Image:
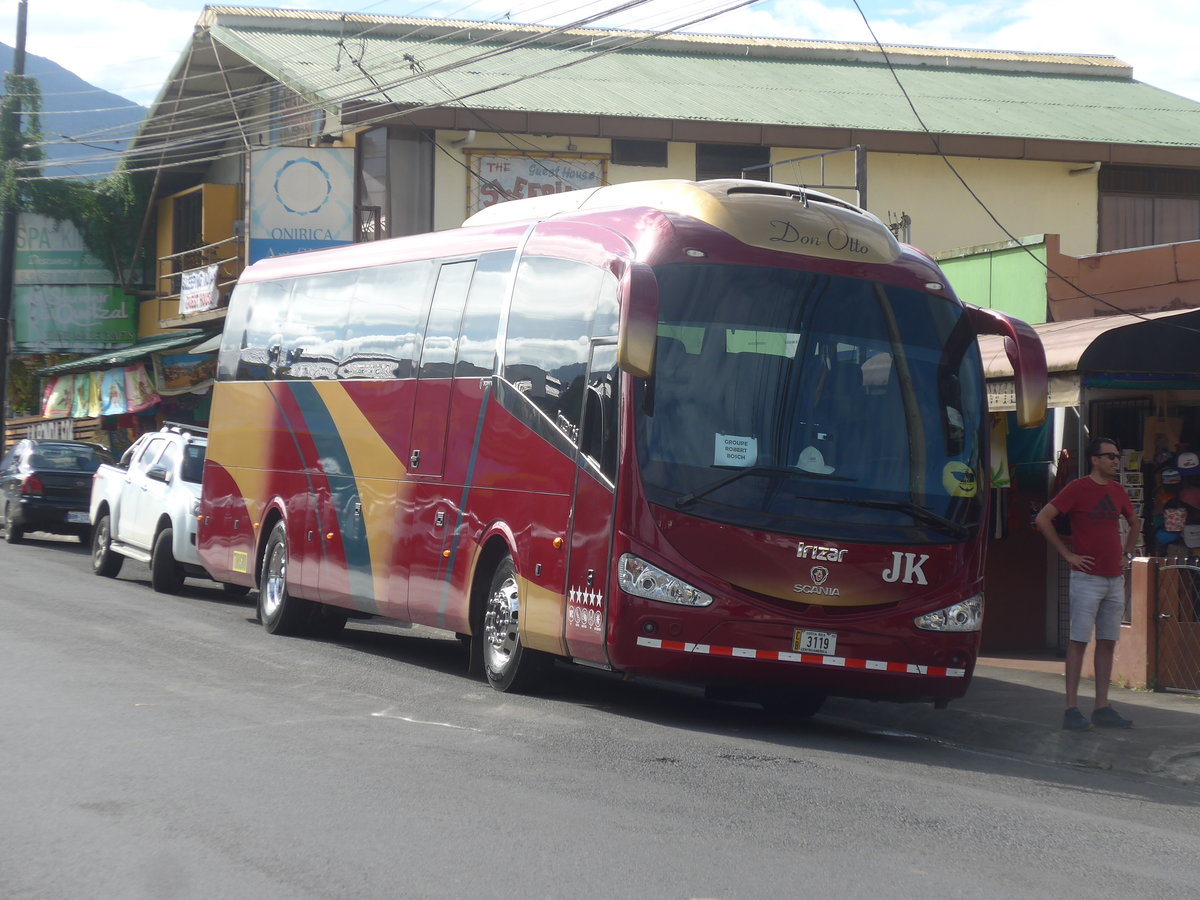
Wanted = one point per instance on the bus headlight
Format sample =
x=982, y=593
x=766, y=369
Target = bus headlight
x=965, y=615
x=641, y=579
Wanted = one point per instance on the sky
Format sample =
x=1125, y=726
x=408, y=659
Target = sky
x=129, y=46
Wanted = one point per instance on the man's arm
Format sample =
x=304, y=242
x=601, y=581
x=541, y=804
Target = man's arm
x=1135, y=529
x=1045, y=524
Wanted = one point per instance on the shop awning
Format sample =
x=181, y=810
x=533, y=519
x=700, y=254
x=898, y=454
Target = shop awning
x=125, y=356
x=1150, y=351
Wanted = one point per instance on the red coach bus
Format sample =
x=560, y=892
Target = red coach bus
x=728, y=433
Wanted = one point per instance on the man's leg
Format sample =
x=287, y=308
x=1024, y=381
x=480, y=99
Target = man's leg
x=1075, y=651
x=1105, y=650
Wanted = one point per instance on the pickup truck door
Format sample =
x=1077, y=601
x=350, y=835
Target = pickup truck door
x=135, y=506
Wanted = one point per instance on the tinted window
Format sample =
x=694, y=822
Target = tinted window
x=445, y=316
x=481, y=321
x=549, y=332
x=383, y=334
x=193, y=463
x=253, y=327
x=312, y=340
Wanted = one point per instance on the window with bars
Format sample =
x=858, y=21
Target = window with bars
x=1143, y=205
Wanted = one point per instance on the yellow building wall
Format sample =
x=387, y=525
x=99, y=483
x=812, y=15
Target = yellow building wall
x=1028, y=197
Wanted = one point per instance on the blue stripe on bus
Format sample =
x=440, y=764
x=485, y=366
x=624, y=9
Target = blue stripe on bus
x=343, y=487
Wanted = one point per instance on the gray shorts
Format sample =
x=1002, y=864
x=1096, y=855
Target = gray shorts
x=1096, y=600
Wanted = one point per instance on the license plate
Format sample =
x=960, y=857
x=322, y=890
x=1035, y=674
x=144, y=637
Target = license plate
x=77, y=517
x=823, y=642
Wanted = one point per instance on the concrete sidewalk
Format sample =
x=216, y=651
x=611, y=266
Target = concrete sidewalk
x=1015, y=706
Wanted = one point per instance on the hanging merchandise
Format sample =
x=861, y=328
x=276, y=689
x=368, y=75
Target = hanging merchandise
x=1161, y=432
x=140, y=394
x=56, y=400
x=999, y=452
x=1174, y=518
x=112, y=392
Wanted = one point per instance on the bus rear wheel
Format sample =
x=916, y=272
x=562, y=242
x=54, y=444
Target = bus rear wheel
x=278, y=610
x=508, y=664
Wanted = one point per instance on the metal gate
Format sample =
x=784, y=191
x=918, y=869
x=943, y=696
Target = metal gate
x=1177, y=623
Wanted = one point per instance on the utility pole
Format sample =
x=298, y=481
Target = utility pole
x=8, y=222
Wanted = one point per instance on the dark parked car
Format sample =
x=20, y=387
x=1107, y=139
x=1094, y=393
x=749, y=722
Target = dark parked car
x=45, y=485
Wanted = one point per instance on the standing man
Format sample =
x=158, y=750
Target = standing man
x=1094, y=503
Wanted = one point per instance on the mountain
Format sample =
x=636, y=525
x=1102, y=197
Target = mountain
x=78, y=110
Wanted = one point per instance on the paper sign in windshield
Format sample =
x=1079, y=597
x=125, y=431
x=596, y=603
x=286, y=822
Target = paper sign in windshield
x=735, y=450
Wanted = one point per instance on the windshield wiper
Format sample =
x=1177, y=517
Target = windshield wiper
x=686, y=500
x=918, y=512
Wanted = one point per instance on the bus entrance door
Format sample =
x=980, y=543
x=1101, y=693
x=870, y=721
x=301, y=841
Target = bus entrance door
x=589, y=565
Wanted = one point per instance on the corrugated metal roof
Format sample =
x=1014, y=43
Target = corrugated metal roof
x=414, y=62
x=140, y=350
x=1067, y=342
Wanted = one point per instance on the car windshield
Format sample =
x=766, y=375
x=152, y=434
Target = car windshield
x=798, y=402
x=48, y=457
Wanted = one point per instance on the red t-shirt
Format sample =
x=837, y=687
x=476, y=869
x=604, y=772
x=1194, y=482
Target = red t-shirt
x=1094, y=510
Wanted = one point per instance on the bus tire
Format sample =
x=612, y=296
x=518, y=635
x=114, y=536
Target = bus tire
x=278, y=610
x=105, y=561
x=507, y=663
x=166, y=575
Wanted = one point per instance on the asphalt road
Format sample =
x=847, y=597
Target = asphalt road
x=161, y=747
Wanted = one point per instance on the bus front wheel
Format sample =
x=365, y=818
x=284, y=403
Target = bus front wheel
x=279, y=611
x=508, y=664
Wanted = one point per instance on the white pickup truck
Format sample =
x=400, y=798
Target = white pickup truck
x=145, y=506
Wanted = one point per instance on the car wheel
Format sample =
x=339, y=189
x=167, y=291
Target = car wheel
x=13, y=533
x=166, y=575
x=279, y=611
x=508, y=664
x=104, y=561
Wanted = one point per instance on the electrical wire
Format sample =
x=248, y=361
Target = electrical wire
x=937, y=147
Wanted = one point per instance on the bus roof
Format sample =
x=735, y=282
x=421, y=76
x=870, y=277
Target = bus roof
x=763, y=214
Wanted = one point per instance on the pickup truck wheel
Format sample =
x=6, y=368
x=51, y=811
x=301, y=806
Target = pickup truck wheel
x=104, y=561
x=279, y=611
x=166, y=575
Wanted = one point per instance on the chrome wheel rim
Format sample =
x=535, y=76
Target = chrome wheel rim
x=500, y=625
x=275, y=582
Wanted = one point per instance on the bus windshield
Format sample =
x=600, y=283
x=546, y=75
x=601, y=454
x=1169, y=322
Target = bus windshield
x=812, y=404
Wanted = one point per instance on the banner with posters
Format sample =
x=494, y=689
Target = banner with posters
x=181, y=373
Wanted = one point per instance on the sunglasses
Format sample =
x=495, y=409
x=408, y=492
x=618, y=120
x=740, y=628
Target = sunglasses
x=1110, y=455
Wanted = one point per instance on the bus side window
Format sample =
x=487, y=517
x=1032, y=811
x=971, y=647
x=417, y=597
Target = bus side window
x=387, y=320
x=313, y=334
x=255, y=317
x=481, y=320
x=548, y=337
x=445, y=319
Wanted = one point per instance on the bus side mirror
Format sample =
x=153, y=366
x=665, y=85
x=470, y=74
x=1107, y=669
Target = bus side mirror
x=639, y=321
x=1027, y=356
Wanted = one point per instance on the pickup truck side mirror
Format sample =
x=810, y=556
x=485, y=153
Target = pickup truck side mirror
x=158, y=473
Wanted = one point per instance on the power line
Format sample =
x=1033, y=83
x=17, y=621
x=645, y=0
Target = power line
x=937, y=147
